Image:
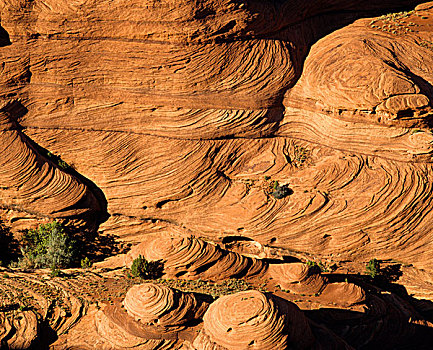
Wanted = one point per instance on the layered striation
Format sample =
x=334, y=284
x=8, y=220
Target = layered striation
x=168, y=120
x=253, y=320
x=162, y=306
x=34, y=184
x=151, y=318
x=180, y=115
x=192, y=258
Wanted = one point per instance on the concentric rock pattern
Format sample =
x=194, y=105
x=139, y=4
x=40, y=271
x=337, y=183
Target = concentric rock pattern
x=252, y=320
x=180, y=114
x=162, y=306
x=164, y=107
x=189, y=257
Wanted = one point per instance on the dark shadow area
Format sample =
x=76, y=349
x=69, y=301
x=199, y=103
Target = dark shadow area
x=391, y=273
x=374, y=329
x=96, y=247
x=9, y=247
x=15, y=110
x=286, y=259
x=425, y=87
x=234, y=239
x=47, y=336
x=385, y=281
x=4, y=37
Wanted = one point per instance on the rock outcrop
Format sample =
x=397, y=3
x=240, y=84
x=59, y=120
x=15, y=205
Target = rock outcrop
x=253, y=320
x=191, y=258
x=175, y=112
x=162, y=306
x=139, y=118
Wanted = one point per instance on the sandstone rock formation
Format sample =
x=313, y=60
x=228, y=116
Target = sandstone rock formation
x=192, y=258
x=297, y=278
x=252, y=320
x=144, y=118
x=161, y=306
x=168, y=120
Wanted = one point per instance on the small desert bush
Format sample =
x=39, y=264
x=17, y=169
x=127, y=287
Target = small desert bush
x=86, y=263
x=280, y=192
x=146, y=269
x=47, y=246
x=373, y=268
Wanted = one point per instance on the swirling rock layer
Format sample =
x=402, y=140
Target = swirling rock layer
x=189, y=257
x=164, y=107
x=34, y=184
x=253, y=320
x=297, y=278
x=162, y=306
x=181, y=114
x=30, y=306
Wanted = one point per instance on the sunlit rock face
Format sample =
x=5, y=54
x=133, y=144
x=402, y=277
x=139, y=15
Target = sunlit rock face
x=172, y=113
x=253, y=320
x=174, y=124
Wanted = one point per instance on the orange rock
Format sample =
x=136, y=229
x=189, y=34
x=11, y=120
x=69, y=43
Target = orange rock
x=253, y=320
x=189, y=257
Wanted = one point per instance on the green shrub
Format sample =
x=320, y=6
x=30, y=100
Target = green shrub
x=55, y=272
x=373, y=268
x=280, y=192
x=86, y=263
x=59, y=161
x=319, y=266
x=47, y=246
x=146, y=269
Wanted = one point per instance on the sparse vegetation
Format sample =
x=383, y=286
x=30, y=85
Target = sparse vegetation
x=395, y=23
x=323, y=267
x=59, y=161
x=146, y=269
x=214, y=289
x=274, y=189
x=280, y=192
x=300, y=155
x=373, y=268
x=310, y=263
x=55, y=272
x=86, y=263
x=47, y=246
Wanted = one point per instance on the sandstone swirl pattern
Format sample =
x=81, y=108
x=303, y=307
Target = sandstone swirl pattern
x=30, y=305
x=178, y=110
x=162, y=306
x=151, y=319
x=34, y=184
x=192, y=258
x=297, y=278
x=252, y=320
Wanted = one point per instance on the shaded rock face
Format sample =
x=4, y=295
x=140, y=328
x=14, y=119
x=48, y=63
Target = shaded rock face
x=171, y=113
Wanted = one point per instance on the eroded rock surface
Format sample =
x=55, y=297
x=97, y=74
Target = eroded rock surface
x=192, y=258
x=252, y=320
x=183, y=116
